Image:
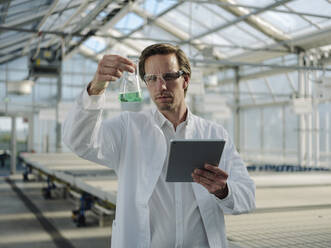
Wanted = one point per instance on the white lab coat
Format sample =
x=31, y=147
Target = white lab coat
x=135, y=147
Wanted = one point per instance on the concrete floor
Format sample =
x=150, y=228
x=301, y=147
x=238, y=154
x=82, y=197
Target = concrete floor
x=289, y=214
x=293, y=214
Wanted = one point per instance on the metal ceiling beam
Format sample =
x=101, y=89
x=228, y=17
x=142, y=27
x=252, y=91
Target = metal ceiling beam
x=257, y=22
x=108, y=26
x=17, y=54
x=5, y=44
x=307, y=41
x=88, y=19
x=122, y=37
x=303, y=17
x=78, y=11
x=40, y=24
x=227, y=4
x=238, y=26
x=18, y=45
x=239, y=19
x=171, y=29
x=161, y=23
x=149, y=18
x=38, y=15
x=4, y=11
x=255, y=75
x=119, y=37
x=230, y=63
x=25, y=20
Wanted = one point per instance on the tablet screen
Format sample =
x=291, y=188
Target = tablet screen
x=187, y=154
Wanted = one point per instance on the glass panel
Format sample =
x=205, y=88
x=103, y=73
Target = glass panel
x=293, y=77
x=25, y=10
x=259, y=90
x=45, y=90
x=227, y=91
x=291, y=131
x=215, y=39
x=19, y=64
x=95, y=43
x=253, y=122
x=237, y=36
x=287, y=23
x=123, y=50
x=129, y=22
x=244, y=96
x=153, y=31
x=319, y=7
x=280, y=85
x=256, y=34
x=156, y=7
x=272, y=121
x=201, y=19
x=181, y=20
x=56, y=21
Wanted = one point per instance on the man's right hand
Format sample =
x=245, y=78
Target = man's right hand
x=110, y=68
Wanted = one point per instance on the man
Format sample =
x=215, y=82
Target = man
x=151, y=212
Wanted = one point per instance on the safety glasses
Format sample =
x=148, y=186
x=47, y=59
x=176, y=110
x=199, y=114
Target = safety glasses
x=167, y=77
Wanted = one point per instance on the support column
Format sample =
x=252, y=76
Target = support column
x=237, y=110
x=301, y=119
x=13, y=148
x=309, y=117
x=262, y=133
x=327, y=138
x=58, y=123
x=283, y=134
x=316, y=136
x=31, y=133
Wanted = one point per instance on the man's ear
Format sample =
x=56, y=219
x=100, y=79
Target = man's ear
x=186, y=81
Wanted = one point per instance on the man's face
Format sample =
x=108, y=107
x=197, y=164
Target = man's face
x=168, y=95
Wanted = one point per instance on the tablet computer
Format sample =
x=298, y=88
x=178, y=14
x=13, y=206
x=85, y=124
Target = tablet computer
x=187, y=154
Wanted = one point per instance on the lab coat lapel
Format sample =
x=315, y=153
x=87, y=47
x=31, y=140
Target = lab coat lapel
x=156, y=161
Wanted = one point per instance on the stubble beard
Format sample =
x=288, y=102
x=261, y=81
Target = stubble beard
x=165, y=106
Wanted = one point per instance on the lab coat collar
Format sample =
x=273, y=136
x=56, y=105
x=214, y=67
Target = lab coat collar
x=160, y=119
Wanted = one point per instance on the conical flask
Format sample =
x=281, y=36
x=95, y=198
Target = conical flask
x=130, y=90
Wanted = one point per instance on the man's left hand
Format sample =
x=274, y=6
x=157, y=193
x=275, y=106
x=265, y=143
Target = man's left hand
x=213, y=179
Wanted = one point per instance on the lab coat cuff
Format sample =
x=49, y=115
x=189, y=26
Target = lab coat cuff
x=93, y=102
x=228, y=201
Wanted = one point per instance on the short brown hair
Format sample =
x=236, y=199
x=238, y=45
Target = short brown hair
x=164, y=49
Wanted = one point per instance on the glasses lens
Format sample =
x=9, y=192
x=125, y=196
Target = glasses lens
x=170, y=76
x=150, y=78
x=167, y=77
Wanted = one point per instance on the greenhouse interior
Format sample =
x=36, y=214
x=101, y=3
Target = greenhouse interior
x=261, y=69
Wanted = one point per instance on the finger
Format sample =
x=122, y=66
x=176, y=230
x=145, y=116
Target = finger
x=119, y=63
x=105, y=78
x=110, y=71
x=118, y=58
x=205, y=180
x=197, y=178
x=206, y=173
x=120, y=67
x=216, y=170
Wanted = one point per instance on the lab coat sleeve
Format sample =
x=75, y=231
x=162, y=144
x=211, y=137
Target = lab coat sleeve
x=241, y=196
x=89, y=136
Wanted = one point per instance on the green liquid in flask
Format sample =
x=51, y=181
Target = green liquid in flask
x=130, y=97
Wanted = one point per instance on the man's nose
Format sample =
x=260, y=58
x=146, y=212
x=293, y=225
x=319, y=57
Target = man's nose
x=161, y=82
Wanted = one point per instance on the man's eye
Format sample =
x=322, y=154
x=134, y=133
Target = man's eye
x=151, y=78
x=170, y=76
